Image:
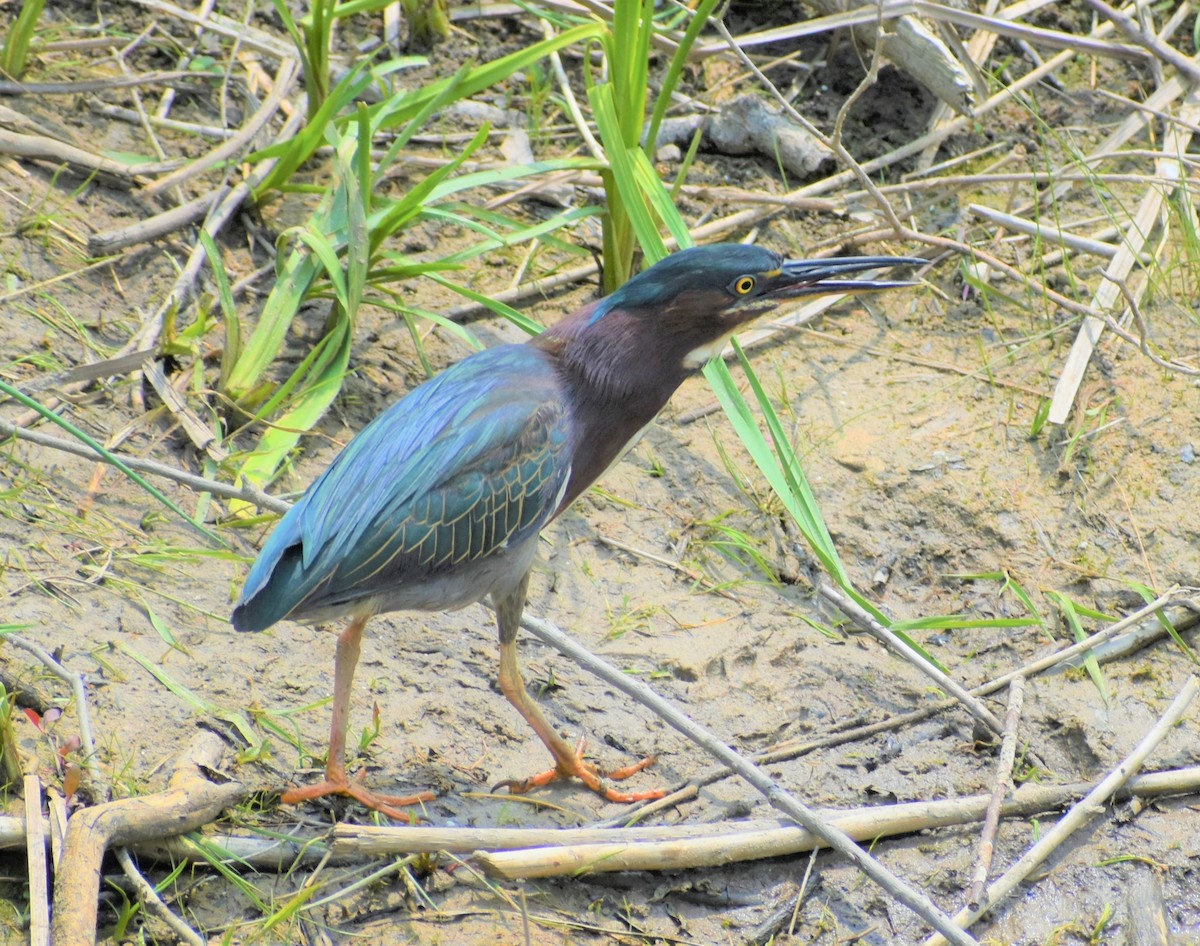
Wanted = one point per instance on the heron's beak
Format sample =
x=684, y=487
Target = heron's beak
x=804, y=277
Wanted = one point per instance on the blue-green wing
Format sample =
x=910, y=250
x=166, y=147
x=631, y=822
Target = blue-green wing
x=466, y=467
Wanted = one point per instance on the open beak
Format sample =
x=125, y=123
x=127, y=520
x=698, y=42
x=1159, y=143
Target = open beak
x=804, y=277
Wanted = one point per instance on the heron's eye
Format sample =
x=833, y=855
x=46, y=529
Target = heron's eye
x=744, y=285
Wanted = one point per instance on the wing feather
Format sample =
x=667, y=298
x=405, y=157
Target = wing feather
x=467, y=465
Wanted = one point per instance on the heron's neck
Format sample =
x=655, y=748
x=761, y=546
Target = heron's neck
x=615, y=384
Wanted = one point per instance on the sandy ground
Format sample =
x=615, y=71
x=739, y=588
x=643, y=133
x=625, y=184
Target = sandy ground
x=912, y=413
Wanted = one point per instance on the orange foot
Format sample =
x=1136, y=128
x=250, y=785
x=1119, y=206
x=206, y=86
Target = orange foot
x=338, y=784
x=586, y=772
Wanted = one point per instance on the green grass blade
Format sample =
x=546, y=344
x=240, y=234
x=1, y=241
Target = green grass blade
x=629, y=67
x=498, y=240
x=325, y=253
x=198, y=703
x=519, y=319
x=494, y=176
x=111, y=458
x=295, y=381
x=674, y=72
x=164, y=630
x=328, y=363
x=233, y=329
x=448, y=93
x=392, y=218
x=1071, y=611
x=1148, y=595
x=294, y=279
x=487, y=75
x=810, y=520
x=415, y=312
x=293, y=153
x=621, y=164
x=786, y=478
x=957, y=622
x=658, y=196
x=15, y=53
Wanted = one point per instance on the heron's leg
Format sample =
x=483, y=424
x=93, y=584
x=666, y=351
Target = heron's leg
x=349, y=644
x=568, y=759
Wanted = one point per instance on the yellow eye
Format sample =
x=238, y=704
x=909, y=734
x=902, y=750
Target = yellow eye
x=744, y=285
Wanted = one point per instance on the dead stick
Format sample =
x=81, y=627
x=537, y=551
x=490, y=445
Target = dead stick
x=1080, y=814
x=35, y=852
x=189, y=802
x=1001, y=788
x=39, y=147
x=280, y=88
x=775, y=795
x=352, y=843
x=1148, y=924
x=157, y=226
x=1162, y=50
x=888, y=638
x=150, y=899
x=751, y=840
x=1145, y=619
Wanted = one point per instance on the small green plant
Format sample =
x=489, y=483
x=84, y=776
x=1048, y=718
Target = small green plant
x=628, y=617
x=1071, y=612
x=312, y=35
x=1100, y=927
x=1148, y=595
x=10, y=759
x=126, y=912
x=370, y=733
x=540, y=102
x=1008, y=584
x=342, y=253
x=428, y=21
x=14, y=55
x=1040, y=416
x=736, y=546
x=636, y=197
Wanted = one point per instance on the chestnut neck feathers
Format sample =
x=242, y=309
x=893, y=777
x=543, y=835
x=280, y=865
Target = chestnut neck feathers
x=620, y=359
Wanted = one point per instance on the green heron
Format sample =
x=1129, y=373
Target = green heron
x=439, y=501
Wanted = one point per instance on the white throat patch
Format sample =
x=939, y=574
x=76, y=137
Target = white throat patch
x=699, y=357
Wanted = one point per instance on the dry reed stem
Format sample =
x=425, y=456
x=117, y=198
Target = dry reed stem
x=778, y=798
x=1044, y=232
x=350, y=843
x=1080, y=814
x=35, y=857
x=565, y=856
x=1137, y=236
x=888, y=638
x=1000, y=789
x=189, y=802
